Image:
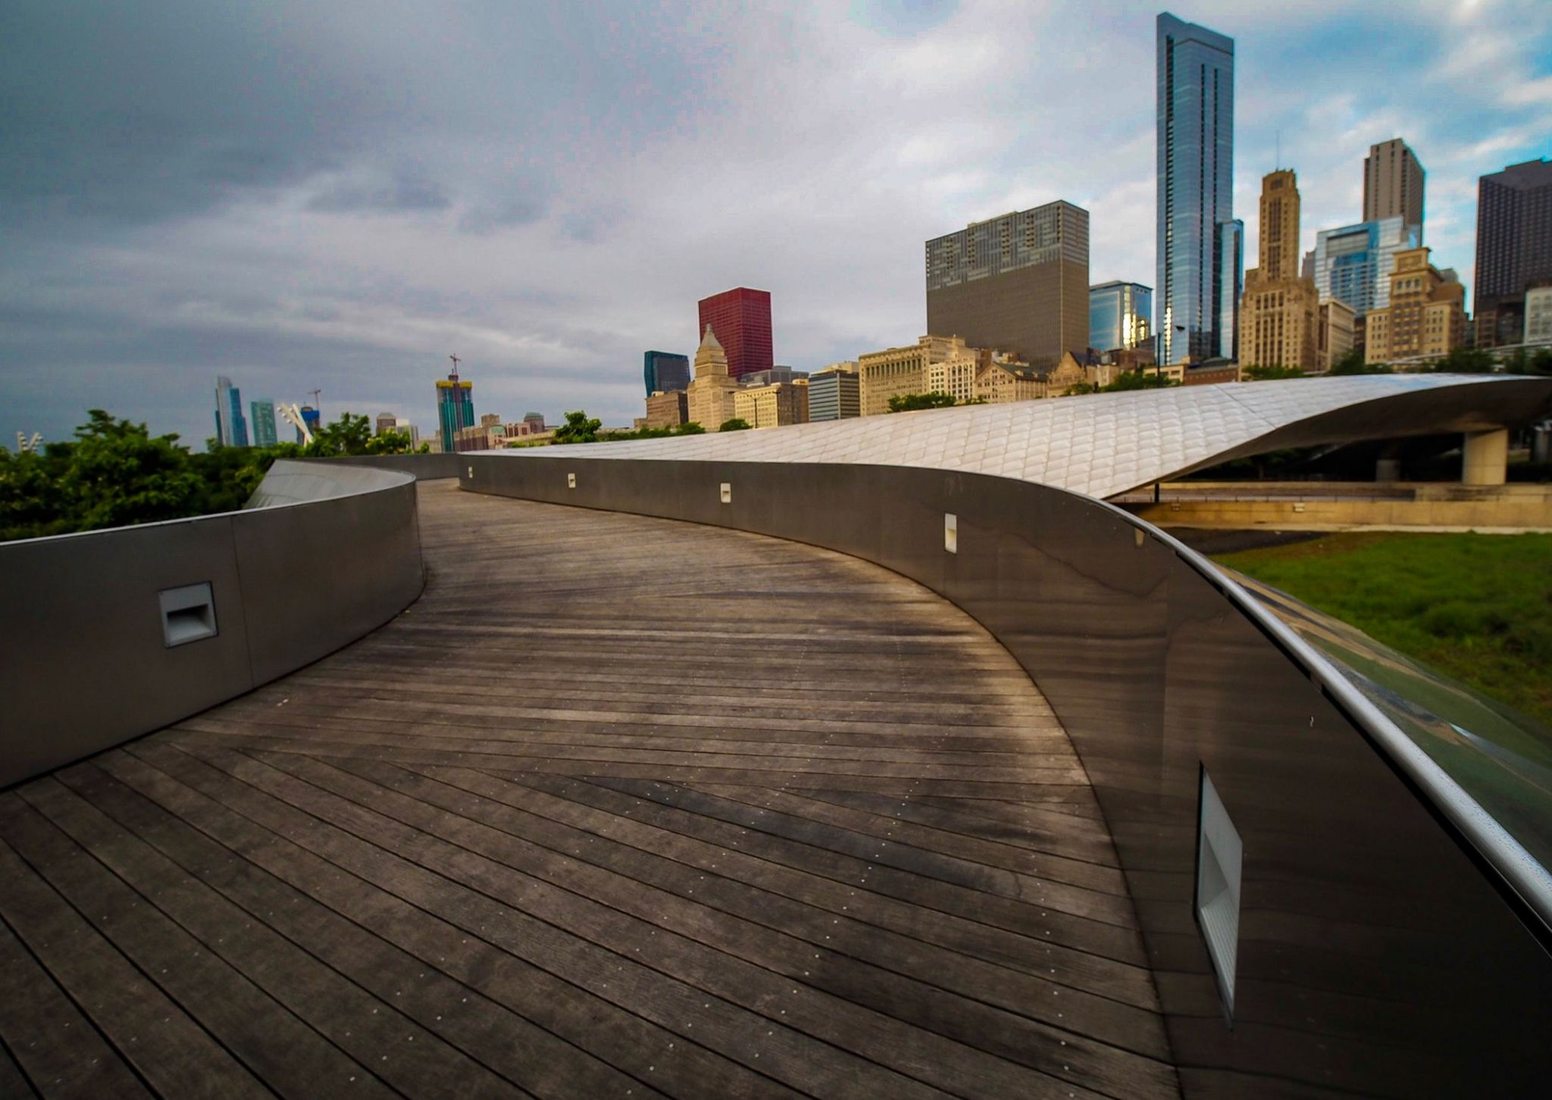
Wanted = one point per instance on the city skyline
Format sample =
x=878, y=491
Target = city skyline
x=179, y=210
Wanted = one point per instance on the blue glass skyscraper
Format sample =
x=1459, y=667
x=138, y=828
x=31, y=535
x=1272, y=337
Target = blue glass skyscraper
x=263, y=423
x=1353, y=263
x=1118, y=316
x=664, y=371
x=1200, y=244
x=231, y=428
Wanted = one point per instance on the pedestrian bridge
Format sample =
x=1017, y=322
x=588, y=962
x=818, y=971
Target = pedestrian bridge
x=615, y=771
x=620, y=806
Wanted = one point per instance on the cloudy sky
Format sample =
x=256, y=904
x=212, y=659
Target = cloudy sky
x=336, y=195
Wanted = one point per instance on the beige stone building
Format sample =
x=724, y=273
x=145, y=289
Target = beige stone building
x=1278, y=310
x=1067, y=374
x=667, y=410
x=1426, y=316
x=999, y=382
x=1334, y=335
x=773, y=406
x=895, y=372
x=954, y=376
x=709, y=399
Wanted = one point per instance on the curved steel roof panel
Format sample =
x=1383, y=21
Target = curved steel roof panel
x=1104, y=444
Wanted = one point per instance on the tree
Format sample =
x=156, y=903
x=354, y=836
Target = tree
x=1465, y=360
x=737, y=424
x=119, y=474
x=391, y=443
x=349, y=435
x=1353, y=363
x=1138, y=380
x=689, y=427
x=1268, y=373
x=910, y=402
x=578, y=428
x=32, y=504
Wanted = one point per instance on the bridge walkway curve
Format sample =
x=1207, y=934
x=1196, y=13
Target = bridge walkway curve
x=620, y=807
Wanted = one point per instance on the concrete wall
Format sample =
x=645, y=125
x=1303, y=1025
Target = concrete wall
x=1384, y=947
x=85, y=663
x=1339, y=506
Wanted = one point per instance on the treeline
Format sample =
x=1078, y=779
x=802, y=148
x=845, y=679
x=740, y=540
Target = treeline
x=116, y=473
x=1459, y=361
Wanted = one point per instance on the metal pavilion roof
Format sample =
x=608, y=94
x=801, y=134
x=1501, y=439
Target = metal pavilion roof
x=1104, y=444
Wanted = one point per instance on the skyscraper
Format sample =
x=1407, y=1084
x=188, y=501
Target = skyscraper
x=1200, y=245
x=663, y=371
x=709, y=398
x=1514, y=247
x=231, y=428
x=1017, y=283
x=455, y=407
x=741, y=318
x=1280, y=306
x=1353, y=263
x=1393, y=186
x=264, y=434
x=1119, y=315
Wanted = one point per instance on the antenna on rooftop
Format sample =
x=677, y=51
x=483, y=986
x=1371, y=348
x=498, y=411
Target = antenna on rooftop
x=317, y=396
x=1279, y=163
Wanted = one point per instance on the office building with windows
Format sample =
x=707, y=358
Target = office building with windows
x=1119, y=315
x=231, y=426
x=1353, y=263
x=1280, y=306
x=664, y=372
x=263, y=414
x=455, y=408
x=1538, y=315
x=1425, y=318
x=1200, y=244
x=741, y=318
x=834, y=393
x=1018, y=283
x=1393, y=186
x=1514, y=247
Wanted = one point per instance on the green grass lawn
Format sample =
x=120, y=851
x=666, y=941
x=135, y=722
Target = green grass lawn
x=1475, y=607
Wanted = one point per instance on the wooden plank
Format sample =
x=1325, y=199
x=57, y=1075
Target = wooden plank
x=658, y=827
x=49, y=1043
x=663, y=1030
x=265, y=1001
x=165, y=1047
x=837, y=967
x=448, y=994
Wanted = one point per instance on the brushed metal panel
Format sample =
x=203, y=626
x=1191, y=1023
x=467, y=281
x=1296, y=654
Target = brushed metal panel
x=85, y=663
x=318, y=576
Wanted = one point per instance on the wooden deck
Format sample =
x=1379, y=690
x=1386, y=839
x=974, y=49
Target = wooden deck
x=620, y=807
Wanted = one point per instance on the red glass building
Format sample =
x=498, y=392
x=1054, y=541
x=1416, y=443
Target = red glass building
x=741, y=318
